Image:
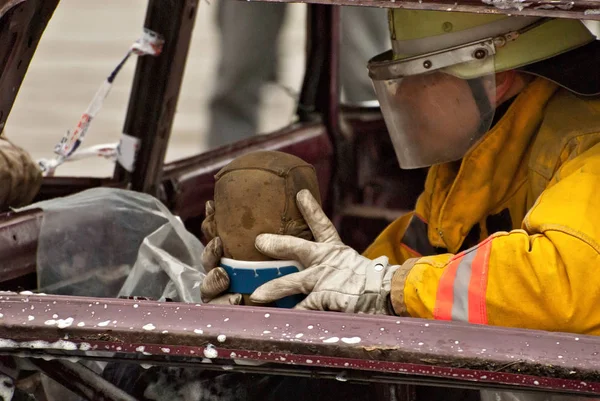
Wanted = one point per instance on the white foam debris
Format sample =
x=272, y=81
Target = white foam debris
x=508, y=4
x=136, y=306
x=299, y=335
x=166, y=350
x=4, y=343
x=267, y=315
x=30, y=318
x=39, y=344
x=149, y=327
x=7, y=388
x=351, y=340
x=104, y=324
x=199, y=331
x=221, y=338
x=141, y=348
x=331, y=340
x=80, y=324
x=210, y=352
x=341, y=377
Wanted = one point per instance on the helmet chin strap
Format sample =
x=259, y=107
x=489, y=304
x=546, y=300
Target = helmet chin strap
x=486, y=111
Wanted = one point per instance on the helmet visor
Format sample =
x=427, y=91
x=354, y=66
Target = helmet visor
x=438, y=105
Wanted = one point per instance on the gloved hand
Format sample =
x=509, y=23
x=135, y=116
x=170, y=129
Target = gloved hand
x=336, y=278
x=216, y=281
x=21, y=177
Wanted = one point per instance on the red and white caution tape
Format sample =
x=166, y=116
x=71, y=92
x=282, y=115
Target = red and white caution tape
x=150, y=44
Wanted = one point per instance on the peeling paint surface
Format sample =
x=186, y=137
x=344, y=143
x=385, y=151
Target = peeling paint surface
x=379, y=345
x=508, y=4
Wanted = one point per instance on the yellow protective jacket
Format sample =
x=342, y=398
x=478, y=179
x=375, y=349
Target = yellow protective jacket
x=510, y=236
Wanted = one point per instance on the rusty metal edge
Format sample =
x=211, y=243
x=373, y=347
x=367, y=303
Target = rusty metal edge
x=588, y=10
x=395, y=346
x=20, y=56
x=81, y=380
x=18, y=243
x=155, y=92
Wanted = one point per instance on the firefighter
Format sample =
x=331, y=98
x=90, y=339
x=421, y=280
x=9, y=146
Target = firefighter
x=505, y=111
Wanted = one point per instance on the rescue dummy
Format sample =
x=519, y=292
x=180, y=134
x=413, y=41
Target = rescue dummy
x=255, y=194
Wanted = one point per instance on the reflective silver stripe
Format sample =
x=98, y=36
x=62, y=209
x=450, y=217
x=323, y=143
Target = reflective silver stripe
x=407, y=48
x=381, y=68
x=460, y=306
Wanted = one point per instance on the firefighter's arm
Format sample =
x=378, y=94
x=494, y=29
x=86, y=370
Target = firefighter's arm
x=20, y=177
x=541, y=277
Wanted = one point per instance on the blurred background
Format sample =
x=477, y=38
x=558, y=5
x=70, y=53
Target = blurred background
x=85, y=40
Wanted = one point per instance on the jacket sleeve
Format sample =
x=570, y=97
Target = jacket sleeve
x=543, y=276
x=20, y=177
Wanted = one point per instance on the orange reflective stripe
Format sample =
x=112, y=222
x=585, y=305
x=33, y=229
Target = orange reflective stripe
x=478, y=284
x=445, y=292
x=462, y=287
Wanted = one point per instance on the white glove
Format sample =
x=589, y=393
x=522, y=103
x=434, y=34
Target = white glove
x=216, y=282
x=336, y=278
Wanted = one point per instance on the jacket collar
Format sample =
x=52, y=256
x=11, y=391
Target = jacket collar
x=461, y=195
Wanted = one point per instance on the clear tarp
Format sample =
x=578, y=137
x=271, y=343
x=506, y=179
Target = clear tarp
x=107, y=242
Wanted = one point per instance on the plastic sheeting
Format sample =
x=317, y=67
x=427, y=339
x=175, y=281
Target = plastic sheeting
x=107, y=242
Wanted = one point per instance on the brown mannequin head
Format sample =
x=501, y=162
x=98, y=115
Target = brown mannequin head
x=256, y=194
